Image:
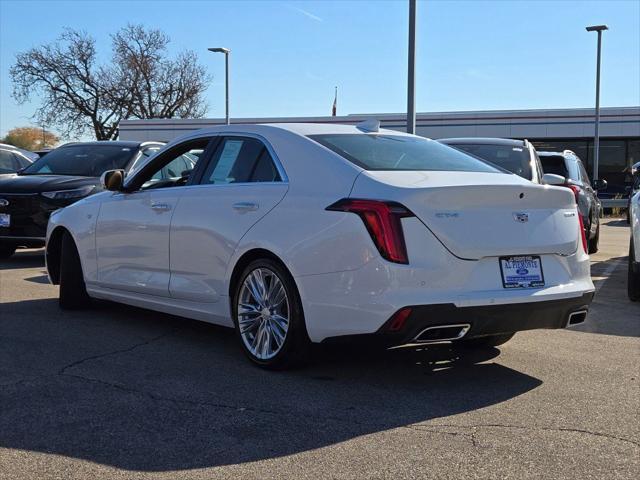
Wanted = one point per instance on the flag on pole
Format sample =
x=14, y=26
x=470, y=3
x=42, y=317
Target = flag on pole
x=335, y=104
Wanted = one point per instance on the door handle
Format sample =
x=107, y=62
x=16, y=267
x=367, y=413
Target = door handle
x=161, y=207
x=245, y=206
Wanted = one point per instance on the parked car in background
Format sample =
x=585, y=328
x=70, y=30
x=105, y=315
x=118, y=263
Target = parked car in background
x=568, y=165
x=516, y=156
x=633, y=286
x=65, y=175
x=299, y=233
x=12, y=159
x=43, y=152
x=30, y=155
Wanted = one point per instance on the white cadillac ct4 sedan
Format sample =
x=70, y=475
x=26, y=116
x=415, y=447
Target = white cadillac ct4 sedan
x=301, y=233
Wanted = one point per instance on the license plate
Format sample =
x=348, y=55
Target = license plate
x=5, y=220
x=522, y=272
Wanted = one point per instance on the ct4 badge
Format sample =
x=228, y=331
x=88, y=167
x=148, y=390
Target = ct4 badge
x=521, y=217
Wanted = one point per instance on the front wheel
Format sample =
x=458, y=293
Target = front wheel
x=268, y=316
x=488, y=341
x=633, y=283
x=6, y=251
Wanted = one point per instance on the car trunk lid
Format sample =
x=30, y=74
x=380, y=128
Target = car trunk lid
x=476, y=215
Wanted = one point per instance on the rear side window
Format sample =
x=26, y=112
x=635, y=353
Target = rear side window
x=241, y=160
x=516, y=159
x=583, y=173
x=396, y=152
x=555, y=165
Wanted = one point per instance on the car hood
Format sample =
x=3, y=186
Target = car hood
x=43, y=183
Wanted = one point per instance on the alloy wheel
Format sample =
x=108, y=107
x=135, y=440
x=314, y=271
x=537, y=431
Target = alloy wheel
x=263, y=313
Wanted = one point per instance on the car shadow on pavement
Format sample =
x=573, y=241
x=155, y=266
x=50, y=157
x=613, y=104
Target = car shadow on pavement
x=23, y=259
x=145, y=391
x=615, y=222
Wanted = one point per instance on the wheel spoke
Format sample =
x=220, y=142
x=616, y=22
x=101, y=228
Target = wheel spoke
x=278, y=333
x=278, y=296
x=248, y=324
x=266, y=342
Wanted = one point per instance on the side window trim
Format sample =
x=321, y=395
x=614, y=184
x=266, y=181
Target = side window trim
x=131, y=185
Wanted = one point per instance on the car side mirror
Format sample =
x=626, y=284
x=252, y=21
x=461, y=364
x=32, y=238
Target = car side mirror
x=553, y=179
x=113, y=180
x=600, y=184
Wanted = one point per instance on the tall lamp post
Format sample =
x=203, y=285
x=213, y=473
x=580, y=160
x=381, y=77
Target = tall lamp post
x=596, y=140
x=411, y=70
x=226, y=52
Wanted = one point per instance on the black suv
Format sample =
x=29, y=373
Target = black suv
x=63, y=176
x=516, y=156
x=568, y=165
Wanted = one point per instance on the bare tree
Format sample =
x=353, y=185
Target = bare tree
x=160, y=88
x=79, y=96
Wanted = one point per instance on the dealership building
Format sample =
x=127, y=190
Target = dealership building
x=553, y=130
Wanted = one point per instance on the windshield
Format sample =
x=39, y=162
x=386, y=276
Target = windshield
x=396, y=152
x=512, y=158
x=82, y=160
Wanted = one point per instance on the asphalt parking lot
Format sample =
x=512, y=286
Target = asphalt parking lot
x=117, y=392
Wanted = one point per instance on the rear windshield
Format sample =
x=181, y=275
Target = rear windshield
x=555, y=165
x=82, y=160
x=396, y=152
x=512, y=158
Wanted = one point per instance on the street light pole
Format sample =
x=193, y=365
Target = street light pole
x=226, y=52
x=411, y=70
x=596, y=139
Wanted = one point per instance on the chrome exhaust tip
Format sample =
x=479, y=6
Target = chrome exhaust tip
x=576, y=317
x=442, y=333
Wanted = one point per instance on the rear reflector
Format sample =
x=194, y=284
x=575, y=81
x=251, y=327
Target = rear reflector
x=382, y=220
x=398, y=320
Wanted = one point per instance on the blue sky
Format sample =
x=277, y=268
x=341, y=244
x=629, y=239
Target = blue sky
x=287, y=56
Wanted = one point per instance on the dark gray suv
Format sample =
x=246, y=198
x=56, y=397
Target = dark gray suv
x=568, y=165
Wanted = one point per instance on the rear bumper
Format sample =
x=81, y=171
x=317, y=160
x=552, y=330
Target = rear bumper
x=489, y=319
x=29, y=242
x=361, y=301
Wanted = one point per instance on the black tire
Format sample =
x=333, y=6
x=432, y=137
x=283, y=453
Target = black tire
x=6, y=251
x=487, y=342
x=73, y=291
x=633, y=283
x=595, y=241
x=295, y=348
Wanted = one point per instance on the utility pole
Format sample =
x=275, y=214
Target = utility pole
x=596, y=139
x=226, y=52
x=411, y=70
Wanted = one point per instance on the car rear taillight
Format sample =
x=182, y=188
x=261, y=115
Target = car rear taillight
x=382, y=220
x=576, y=191
x=583, y=235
